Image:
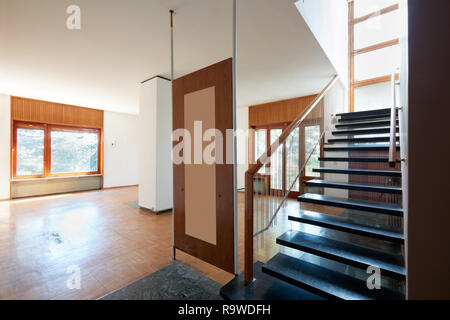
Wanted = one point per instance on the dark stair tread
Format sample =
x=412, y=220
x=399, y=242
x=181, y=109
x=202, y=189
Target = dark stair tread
x=354, y=204
x=361, y=147
x=364, y=124
x=340, y=159
x=362, y=140
x=354, y=186
x=391, y=265
x=324, y=282
x=377, y=112
x=361, y=132
x=384, y=173
x=346, y=225
x=264, y=287
x=365, y=118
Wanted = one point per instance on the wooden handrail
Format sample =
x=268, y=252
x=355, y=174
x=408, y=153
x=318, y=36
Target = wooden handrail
x=393, y=133
x=289, y=129
x=248, y=218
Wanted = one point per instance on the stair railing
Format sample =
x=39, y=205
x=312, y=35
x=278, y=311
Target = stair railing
x=292, y=184
x=394, y=118
x=265, y=182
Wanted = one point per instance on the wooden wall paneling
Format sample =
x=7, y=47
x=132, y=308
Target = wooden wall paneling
x=278, y=112
x=30, y=110
x=222, y=254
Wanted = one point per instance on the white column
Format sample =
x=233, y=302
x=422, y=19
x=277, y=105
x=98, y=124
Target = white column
x=155, y=145
x=5, y=132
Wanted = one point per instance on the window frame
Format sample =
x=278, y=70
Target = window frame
x=352, y=52
x=48, y=128
x=282, y=126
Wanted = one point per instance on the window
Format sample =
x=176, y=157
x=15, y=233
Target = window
x=50, y=150
x=285, y=164
x=276, y=164
x=260, y=143
x=74, y=151
x=293, y=159
x=374, y=50
x=30, y=152
x=312, y=136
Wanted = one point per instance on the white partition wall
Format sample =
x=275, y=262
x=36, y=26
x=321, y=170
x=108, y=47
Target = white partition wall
x=155, y=145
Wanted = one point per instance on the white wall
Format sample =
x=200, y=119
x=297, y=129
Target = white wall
x=328, y=21
x=376, y=96
x=121, y=165
x=335, y=102
x=242, y=145
x=155, y=147
x=5, y=140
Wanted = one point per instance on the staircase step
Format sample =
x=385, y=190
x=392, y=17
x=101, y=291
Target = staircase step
x=391, y=265
x=383, y=173
x=355, y=204
x=322, y=281
x=361, y=132
x=361, y=147
x=364, y=124
x=346, y=225
x=264, y=287
x=374, y=160
x=370, y=113
x=365, y=118
x=354, y=186
x=361, y=140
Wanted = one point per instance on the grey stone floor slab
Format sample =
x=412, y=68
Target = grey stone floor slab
x=174, y=282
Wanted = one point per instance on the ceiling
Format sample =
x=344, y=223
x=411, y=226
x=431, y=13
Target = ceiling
x=122, y=43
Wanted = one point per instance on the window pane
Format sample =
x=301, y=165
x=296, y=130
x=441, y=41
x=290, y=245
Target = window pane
x=377, y=63
x=312, y=136
x=74, y=152
x=377, y=30
x=364, y=7
x=276, y=162
x=30, y=152
x=292, y=161
x=260, y=143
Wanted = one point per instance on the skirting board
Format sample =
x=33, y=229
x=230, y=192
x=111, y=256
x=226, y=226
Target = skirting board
x=119, y=187
x=156, y=212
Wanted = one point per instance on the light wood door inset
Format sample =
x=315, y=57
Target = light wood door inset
x=203, y=193
x=200, y=179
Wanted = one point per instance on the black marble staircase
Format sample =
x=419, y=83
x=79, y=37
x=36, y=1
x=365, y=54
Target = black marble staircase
x=332, y=261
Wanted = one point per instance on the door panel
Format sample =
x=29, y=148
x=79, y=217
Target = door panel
x=203, y=193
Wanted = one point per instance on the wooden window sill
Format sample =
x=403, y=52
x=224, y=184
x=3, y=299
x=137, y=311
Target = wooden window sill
x=56, y=178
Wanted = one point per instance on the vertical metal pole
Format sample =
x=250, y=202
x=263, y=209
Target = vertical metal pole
x=171, y=78
x=235, y=142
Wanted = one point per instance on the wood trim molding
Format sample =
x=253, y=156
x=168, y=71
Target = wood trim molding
x=374, y=14
x=377, y=46
x=372, y=81
x=351, y=56
x=120, y=187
